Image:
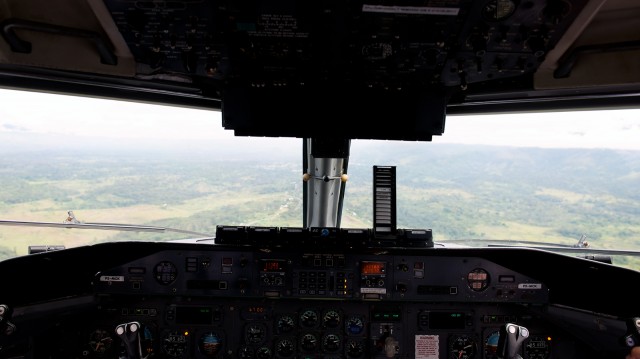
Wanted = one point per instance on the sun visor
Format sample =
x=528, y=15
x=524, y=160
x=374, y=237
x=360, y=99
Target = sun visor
x=70, y=35
x=600, y=49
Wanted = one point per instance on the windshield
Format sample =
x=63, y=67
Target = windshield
x=565, y=179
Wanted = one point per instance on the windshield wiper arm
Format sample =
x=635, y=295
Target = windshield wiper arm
x=566, y=249
x=581, y=247
x=517, y=243
x=72, y=222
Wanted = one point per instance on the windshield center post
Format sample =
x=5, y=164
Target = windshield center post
x=325, y=162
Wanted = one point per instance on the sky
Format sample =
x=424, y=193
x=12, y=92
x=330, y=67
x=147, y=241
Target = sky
x=24, y=112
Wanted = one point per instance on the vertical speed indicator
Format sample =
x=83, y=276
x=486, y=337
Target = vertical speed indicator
x=462, y=347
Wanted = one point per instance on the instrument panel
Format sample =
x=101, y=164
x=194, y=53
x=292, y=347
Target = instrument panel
x=177, y=300
x=267, y=328
x=284, y=304
x=330, y=276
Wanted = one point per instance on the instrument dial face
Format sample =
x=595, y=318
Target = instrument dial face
x=285, y=348
x=263, y=353
x=354, y=325
x=355, y=348
x=537, y=347
x=309, y=318
x=174, y=344
x=309, y=342
x=491, y=345
x=285, y=324
x=478, y=279
x=462, y=347
x=100, y=342
x=245, y=353
x=331, y=342
x=331, y=319
x=498, y=10
x=255, y=333
x=165, y=272
x=210, y=344
x=147, y=342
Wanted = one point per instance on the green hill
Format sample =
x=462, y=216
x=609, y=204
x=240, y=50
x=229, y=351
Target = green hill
x=458, y=191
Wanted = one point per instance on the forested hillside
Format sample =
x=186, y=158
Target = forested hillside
x=458, y=191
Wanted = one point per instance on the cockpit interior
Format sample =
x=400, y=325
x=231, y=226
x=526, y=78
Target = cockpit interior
x=327, y=72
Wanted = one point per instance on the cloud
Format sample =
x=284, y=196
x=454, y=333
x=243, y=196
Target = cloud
x=630, y=127
x=10, y=127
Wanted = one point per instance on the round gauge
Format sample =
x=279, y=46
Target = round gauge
x=331, y=342
x=210, y=344
x=165, y=272
x=263, y=353
x=355, y=348
x=498, y=10
x=309, y=318
x=245, y=353
x=462, y=347
x=309, y=342
x=100, y=342
x=478, y=279
x=537, y=347
x=491, y=345
x=285, y=347
x=354, y=325
x=331, y=319
x=285, y=324
x=175, y=344
x=255, y=333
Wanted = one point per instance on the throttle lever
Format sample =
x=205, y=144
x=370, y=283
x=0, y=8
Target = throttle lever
x=632, y=337
x=510, y=342
x=130, y=335
x=6, y=327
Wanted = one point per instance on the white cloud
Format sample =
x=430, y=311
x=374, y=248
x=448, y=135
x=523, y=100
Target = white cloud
x=10, y=127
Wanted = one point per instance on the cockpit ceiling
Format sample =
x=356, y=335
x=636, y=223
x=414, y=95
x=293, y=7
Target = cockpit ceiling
x=600, y=49
x=346, y=66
